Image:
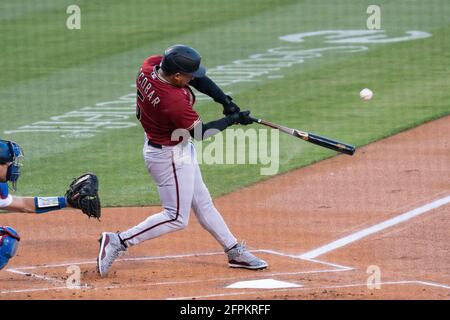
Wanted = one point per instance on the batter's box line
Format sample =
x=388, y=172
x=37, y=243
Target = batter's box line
x=337, y=266
x=178, y=256
x=35, y=275
x=55, y=281
x=168, y=283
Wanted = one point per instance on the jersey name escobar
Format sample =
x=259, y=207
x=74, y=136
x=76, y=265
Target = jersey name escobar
x=162, y=107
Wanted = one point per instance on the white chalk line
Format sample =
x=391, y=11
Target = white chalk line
x=21, y=271
x=262, y=276
x=34, y=275
x=243, y=293
x=31, y=290
x=330, y=264
x=309, y=256
x=434, y=284
x=178, y=256
x=374, y=229
x=87, y=262
x=337, y=266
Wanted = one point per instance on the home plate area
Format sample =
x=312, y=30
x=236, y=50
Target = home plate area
x=263, y=284
x=169, y=277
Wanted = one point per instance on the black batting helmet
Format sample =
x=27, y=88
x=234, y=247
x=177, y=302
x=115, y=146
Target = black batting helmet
x=181, y=58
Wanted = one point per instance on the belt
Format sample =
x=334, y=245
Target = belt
x=155, y=145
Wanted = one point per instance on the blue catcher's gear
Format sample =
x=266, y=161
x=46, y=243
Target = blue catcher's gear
x=11, y=154
x=9, y=241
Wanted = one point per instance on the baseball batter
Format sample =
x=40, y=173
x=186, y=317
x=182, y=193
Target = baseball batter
x=82, y=194
x=165, y=109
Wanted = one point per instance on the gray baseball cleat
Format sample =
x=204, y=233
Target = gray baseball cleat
x=240, y=257
x=110, y=249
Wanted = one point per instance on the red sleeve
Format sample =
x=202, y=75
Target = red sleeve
x=184, y=117
x=154, y=60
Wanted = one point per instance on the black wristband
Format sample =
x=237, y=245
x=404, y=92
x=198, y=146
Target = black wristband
x=219, y=125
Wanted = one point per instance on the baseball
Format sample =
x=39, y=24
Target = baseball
x=366, y=94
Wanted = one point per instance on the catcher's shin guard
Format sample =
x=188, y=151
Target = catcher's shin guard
x=9, y=241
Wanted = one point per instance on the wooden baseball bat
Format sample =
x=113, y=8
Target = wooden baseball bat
x=310, y=137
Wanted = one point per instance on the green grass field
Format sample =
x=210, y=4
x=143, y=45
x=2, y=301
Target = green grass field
x=48, y=70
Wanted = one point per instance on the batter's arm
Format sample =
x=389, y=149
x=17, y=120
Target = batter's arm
x=210, y=88
x=203, y=131
x=207, y=86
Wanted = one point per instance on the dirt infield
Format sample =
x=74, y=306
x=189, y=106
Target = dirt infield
x=319, y=227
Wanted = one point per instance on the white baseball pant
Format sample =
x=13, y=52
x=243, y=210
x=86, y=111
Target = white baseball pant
x=180, y=185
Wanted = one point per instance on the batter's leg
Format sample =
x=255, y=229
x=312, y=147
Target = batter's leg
x=207, y=214
x=212, y=221
x=175, y=178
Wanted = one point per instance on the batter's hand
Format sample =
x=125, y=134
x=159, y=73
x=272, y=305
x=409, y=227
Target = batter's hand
x=242, y=117
x=230, y=107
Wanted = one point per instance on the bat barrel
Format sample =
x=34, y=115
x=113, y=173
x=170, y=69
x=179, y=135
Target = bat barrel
x=331, y=144
x=310, y=137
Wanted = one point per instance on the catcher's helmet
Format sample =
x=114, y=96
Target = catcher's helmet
x=181, y=58
x=9, y=241
x=11, y=154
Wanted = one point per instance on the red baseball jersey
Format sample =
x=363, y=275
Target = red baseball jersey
x=160, y=106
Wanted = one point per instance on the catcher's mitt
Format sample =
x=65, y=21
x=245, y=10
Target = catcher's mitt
x=83, y=194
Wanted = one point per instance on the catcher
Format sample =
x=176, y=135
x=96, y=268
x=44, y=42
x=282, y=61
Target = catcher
x=82, y=194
